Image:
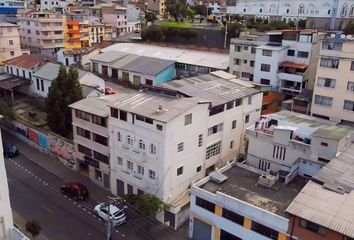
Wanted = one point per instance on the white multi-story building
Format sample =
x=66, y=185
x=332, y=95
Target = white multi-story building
x=279, y=58
x=57, y=6
x=7, y=229
x=286, y=144
x=164, y=138
x=333, y=96
x=331, y=14
x=42, y=31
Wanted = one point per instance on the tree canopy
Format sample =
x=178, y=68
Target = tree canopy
x=150, y=16
x=65, y=90
x=33, y=227
x=176, y=8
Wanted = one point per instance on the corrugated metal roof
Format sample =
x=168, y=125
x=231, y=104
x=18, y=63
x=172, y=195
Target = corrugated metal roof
x=326, y=208
x=212, y=88
x=108, y=56
x=147, y=65
x=95, y=105
x=49, y=71
x=123, y=60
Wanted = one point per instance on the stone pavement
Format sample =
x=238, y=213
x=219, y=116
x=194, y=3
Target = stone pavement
x=149, y=225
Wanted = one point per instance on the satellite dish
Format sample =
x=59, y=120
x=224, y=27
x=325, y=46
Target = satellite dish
x=349, y=36
x=342, y=36
x=333, y=35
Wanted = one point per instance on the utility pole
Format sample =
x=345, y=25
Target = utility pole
x=225, y=40
x=109, y=224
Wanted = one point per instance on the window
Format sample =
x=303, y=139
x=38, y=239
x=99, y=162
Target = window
x=180, y=147
x=238, y=102
x=140, y=170
x=199, y=168
x=291, y=52
x=200, y=140
x=301, y=54
x=265, y=67
x=11, y=42
x=100, y=157
x=331, y=63
x=98, y=175
x=332, y=45
x=352, y=66
x=141, y=144
x=215, y=129
x=350, y=86
x=179, y=171
x=42, y=85
x=324, y=144
x=100, y=139
x=213, y=150
x=265, y=81
x=152, y=149
x=130, y=166
x=229, y=105
x=234, y=217
x=120, y=161
x=83, y=132
x=37, y=84
x=233, y=124
x=215, y=110
x=245, y=48
x=253, y=50
x=119, y=136
x=130, y=140
x=313, y=227
x=237, y=61
x=326, y=82
x=279, y=152
x=267, y=53
x=238, y=48
x=123, y=115
x=187, y=119
x=323, y=100
x=205, y=204
x=249, y=100
x=264, y=230
x=348, y=105
x=144, y=119
x=152, y=174
x=24, y=73
x=84, y=150
x=224, y=235
x=232, y=144
x=245, y=61
x=247, y=118
x=99, y=120
x=80, y=114
x=159, y=127
x=251, y=63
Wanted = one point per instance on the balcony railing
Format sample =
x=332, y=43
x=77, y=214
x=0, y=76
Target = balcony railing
x=296, y=77
x=135, y=153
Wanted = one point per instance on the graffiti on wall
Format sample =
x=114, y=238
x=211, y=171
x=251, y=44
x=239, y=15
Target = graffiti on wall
x=62, y=148
x=47, y=141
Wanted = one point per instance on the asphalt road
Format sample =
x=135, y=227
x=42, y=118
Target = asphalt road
x=34, y=194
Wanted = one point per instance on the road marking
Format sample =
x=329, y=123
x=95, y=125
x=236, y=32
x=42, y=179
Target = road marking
x=50, y=211
x=123, y=235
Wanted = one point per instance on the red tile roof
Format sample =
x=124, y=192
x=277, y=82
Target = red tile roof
x=28, y=61
x=293, y=65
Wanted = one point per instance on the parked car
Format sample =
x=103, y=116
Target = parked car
x=117, y=215
x=109, y=91
x=10, y=150
x=75, y=190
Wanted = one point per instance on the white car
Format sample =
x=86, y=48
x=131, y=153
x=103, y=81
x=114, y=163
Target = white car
x=117, y=215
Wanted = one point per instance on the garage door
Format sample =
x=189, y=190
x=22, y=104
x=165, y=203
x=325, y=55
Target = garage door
x=120, y=188
x=201, y=230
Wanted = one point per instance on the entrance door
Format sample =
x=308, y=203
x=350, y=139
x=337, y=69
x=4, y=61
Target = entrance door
x=105, y=71
x=130, y=189
x=125, y=77
x=120, y=188
x=114, y=74
x=106, y=180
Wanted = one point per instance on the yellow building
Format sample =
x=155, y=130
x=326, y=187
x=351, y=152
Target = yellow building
x=76, y=34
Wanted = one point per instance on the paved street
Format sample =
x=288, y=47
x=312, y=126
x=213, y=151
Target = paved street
x=34, y=193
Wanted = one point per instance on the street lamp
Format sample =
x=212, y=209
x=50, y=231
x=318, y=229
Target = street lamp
x=109, y=228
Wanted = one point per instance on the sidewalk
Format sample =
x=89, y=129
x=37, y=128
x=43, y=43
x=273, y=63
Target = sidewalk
x=21, y=223
x=155, y=229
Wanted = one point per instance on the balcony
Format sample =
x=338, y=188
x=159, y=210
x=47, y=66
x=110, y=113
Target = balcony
x=297, y=77
x=292, y=71
x=290, y=86
x=133, y=153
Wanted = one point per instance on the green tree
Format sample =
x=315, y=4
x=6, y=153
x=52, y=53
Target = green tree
x=291, y=24
x=149, y=204
x=150, y=16
x=199, y=9
x=6, y=109
x=176, y=8
x=65, y=90
x=302, y=23
x=349, y=29
x=33, y=227
x=190, y=13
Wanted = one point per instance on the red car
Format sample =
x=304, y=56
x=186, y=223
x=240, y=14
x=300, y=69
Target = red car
x=75, y=190
x=109, y=91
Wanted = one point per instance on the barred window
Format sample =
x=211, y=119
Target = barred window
x=323, y=100
x=213, y=150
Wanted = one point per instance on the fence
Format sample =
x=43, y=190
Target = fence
x=48, y=142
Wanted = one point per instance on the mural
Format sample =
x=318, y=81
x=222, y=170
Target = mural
x=46, y=141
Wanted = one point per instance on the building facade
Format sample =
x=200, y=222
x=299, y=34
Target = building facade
x=332, y=14
x=286, y=144
x=280, y=59
x=333, y=96
x=42, y=32
x=9, y=41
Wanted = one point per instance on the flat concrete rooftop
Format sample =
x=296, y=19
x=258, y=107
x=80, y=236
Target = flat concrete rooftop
x=242, y=184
